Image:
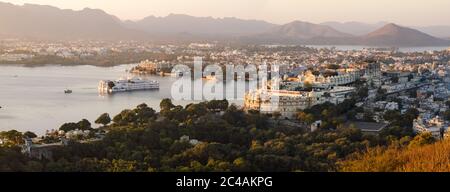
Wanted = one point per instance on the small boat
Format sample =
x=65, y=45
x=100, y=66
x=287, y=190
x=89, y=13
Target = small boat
x=67, y=91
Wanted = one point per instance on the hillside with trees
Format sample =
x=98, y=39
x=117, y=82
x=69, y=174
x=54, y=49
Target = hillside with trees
x=208, y=136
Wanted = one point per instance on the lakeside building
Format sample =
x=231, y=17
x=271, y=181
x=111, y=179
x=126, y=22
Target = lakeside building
x=148, y=67
x=287, y=103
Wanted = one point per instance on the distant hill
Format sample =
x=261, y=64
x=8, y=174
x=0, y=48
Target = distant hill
x=305, y=30
x=299, y=32
x=314, y=34
x=179, y=24
x=47, y=22
x=354, y=28
x=437, y=31
x=359, y=28
x=395, y=35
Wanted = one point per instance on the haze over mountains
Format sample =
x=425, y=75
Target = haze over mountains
x=355, y=28
x=305, y=30
x=46, y=22
x=437, y=31
x=392, y=34
x=179, y=23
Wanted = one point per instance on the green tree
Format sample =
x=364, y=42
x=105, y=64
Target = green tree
x=391, y=115
x=276, y=115
x=125, y=117
x=308, y=86
x=447, y=115
x=197, y=109
x=240, y=164
x=447, y=103
x=394, y=79
x=368, y=116
x=305, y=117
x=11, y=138
x=66, y=127
x=144, y=113
x=34, y=166
x=84, y=124
x=363, y=92
x=333, y=66
x=223, y=105
x=217, y=105
x=104, y=119
x=122, y=166
x=30, y=135
x=166, y=105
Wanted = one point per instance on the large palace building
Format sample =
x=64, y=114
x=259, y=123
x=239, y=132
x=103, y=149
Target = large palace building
x=334, y=89
x=287, y=103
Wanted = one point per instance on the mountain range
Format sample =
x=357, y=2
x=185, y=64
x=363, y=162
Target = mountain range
x=179, y=23
x=52, y=23
x=392, y=34
x=359, y=28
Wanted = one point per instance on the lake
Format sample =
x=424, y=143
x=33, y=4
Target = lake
x=33, y=98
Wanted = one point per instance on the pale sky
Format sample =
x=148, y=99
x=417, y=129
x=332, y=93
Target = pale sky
x=405, y=12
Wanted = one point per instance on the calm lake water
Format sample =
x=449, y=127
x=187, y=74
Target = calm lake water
x=33, y=99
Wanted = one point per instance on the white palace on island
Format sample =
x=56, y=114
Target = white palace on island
x=128, y=84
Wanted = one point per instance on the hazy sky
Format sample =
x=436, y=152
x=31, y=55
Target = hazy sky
x=405, y=12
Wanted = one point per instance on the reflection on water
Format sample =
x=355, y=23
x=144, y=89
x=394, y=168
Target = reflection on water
x=34, y=99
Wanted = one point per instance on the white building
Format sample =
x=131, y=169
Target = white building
x=147, y=66
x=287, y=103
x=321, y=81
